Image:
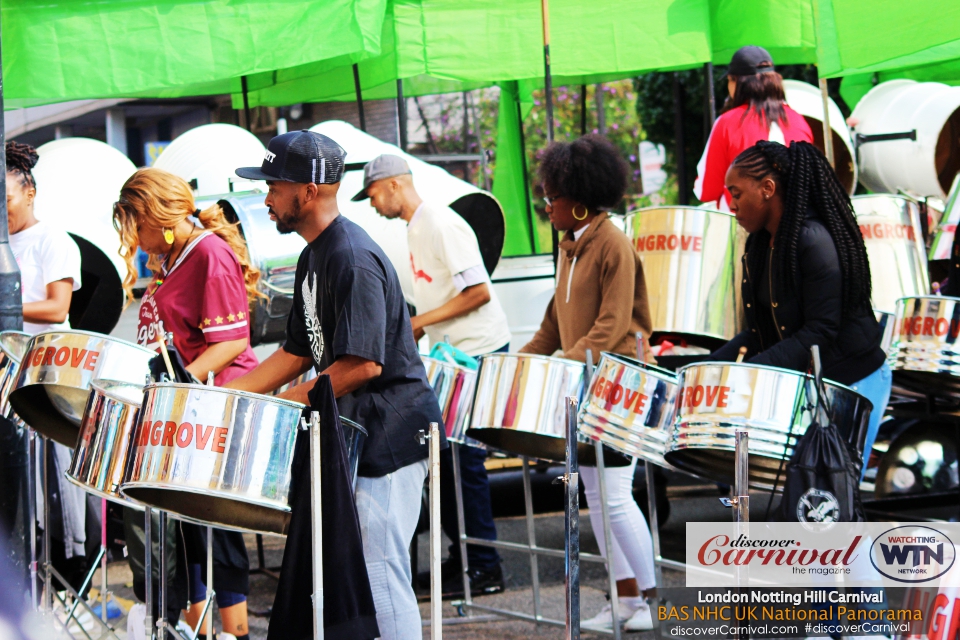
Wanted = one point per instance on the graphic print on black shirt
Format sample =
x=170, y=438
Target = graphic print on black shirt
x=348, y=301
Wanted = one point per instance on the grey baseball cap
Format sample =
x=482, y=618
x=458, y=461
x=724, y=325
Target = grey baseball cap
x=382, y=167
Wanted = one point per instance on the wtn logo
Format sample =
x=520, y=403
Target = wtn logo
x=912, y=553
x=899, y=554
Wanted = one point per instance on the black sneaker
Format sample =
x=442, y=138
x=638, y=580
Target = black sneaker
x=482, y=581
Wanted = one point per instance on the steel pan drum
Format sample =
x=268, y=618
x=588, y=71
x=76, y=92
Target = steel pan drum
x=454, y=386
x=100, y=456
x=55, y=376
x=925, y=355
x=715, y=399
x=519, y=405
x=214, y=455
x=890, y=226
x=691, y=262
x=13, y=344
x=888, y=330
x=630, y=406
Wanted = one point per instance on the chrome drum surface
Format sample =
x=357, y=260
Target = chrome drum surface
x=774, y=405
x=55, y=376
x=925, y=356
x=100, y=457
x=630, y=406
x=454, y=386
x=214, y=455
x=691, y=263
x=890, y=226
x=13, y=345
x=519, y=405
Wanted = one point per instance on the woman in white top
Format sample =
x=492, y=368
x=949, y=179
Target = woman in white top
x=49, y=262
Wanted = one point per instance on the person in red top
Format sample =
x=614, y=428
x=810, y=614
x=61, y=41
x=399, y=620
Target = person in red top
x=202, y=294
x=756, y=110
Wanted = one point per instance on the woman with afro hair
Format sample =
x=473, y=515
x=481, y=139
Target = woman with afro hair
x=806, y=278
x=600, y=304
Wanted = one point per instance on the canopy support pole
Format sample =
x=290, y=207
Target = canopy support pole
x=246, y=103
x=710, y=101
x=356, y=88
x=401, y=116
x=601, y=110
x=583, y=109
x=526, y=180
x=827, y=131
x=11, y=303
x=683, y=191
x=547, y=80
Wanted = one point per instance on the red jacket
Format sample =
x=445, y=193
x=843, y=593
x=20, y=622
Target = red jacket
x=732, y=133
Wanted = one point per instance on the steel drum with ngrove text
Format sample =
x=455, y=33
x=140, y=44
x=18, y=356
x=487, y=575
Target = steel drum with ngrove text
x=454, y=386
x=630, y=406
x=100, y=456
x=214, y=455
x=925, y=355
x=56, y=372
x=13, y=346
x=774, y=405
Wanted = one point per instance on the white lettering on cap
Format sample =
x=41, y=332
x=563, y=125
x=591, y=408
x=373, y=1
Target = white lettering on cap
x=269, y=156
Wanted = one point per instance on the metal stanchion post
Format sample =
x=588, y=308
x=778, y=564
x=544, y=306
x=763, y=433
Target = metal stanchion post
x=531, y=537
x=32, y=514
x=317, y=524
x=436, y=591
x=47, y=581
x=103, y=560
x=741, y=501
x=162, y=615
x=461, y=523
x=148, y=570
x=654, y=521
x=572, y=527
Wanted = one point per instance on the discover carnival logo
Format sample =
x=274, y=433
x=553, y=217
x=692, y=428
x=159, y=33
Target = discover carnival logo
x=912, y=554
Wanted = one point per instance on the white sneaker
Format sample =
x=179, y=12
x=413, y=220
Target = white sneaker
x=641, y=620
x=604, y=620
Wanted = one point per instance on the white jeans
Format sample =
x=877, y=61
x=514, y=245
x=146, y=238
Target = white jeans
x=632, y=544
x=389, y=509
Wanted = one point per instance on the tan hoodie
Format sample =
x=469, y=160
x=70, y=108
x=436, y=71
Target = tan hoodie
x=600, y=302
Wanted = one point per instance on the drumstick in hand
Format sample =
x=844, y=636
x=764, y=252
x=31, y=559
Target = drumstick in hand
x=163, y=350
x=743, y=352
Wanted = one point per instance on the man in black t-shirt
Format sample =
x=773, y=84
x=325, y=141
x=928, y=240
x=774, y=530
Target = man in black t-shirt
x=349, y=321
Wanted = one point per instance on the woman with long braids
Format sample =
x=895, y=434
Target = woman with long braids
x=202, y=292
x=755, y=110
x=806, y=280
x=600, y=303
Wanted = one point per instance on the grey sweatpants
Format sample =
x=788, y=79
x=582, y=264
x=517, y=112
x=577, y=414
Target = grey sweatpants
x=389, y=509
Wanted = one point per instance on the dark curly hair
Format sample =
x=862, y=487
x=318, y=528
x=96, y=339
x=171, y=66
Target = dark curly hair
x=808, y=183
x=21, y=159
x=589, y=170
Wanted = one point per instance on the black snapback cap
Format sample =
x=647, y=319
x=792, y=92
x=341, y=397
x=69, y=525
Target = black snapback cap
x=749, y=61
x=299, y=156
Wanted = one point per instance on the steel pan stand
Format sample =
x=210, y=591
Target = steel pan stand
x=571, y=521
x=49, y=573
x=436, y=591
x=316, y=516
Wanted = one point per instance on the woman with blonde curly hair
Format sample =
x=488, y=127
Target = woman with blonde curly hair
x=204, y=284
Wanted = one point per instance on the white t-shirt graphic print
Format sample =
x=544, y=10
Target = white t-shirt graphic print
x=45, y=254
x=443, y=246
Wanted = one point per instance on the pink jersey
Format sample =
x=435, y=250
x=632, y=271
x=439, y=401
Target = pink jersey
x=734, y=132
x=202, y=300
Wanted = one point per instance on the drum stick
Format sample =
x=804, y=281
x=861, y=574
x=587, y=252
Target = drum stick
x=742, y=354
x=163, y=350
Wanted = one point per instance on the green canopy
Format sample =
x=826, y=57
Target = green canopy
x=785, y=28
x=866, y=36
x=60, y=50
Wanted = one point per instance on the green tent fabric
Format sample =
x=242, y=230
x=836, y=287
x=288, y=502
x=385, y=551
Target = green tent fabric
x=855, y=86
x=866, y=36
x=61, y=50
x=509, y=185
x=785, y=28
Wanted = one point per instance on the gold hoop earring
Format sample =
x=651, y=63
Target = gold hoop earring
x=586, y=212
x=168, y=236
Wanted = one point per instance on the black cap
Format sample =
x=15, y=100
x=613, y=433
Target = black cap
x=299, y=156
x=749, y=61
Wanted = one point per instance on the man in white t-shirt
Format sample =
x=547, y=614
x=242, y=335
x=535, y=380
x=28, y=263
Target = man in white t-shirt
x=454, y=299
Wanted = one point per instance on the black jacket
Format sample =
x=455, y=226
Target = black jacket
x=809, y=314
